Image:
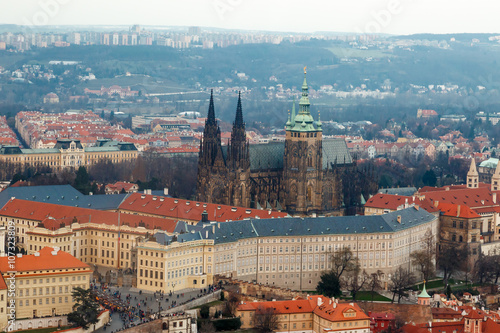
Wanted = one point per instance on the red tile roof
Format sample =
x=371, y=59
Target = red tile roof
x=48, y=259
x=454, y=210
x=53, y=216
x=395, y=202
x=3, y=285
x=191, y=210
x=473, y=197
x=322, y=306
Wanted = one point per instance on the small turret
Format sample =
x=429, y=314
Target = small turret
x=472, y=175
x=423, y=297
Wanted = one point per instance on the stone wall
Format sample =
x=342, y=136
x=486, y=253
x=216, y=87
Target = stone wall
x=150, y=327
x=197, y=302
x=260, y=291
x=409, y=313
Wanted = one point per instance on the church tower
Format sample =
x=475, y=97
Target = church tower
x=212, y=172
x=495, y=179
x=238, y=161
x=303, y=160
x=472, y=175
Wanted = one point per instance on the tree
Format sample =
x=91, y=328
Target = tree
x=375, y=283
x=429, y=178
x=329, y=285
x=342, y=260
x=401, y=280
x=450, y=259
x=207, y=327
x=484, y=268
x=355, y=279
x=204, y=311
x=85, y=309
x=82, y=182
x=231, y=304
x=266, y=319
x=424, y=259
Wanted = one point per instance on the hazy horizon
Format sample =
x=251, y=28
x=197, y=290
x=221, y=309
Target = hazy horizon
x=396, y=17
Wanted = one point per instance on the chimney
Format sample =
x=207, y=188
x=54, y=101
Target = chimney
x=320, y=301
x=436, y=203
x=494, y=197
x=458, y=211
x=204, y=216
x=399, y=219
x=165, y=191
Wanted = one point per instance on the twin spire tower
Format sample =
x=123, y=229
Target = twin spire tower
x=286, y=175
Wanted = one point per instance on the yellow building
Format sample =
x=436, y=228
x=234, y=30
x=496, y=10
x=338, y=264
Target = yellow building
x=70, y=154
x=175, y=263
x=316, y=314
x=96, y=237
x=44, y=282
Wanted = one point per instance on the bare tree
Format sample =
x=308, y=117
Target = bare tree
x=354, y=279
x=266, y=319
x=343, y=260
x=425, y=258
x=375, y=283
x=450, y=259
x=231, y=304
x=484, y=269
x=401, y=280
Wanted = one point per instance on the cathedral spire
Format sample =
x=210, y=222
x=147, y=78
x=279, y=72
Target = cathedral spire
x=211, y=109
x=238, y=121
x=304, y=100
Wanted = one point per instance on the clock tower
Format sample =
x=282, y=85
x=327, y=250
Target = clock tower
x=303, y=160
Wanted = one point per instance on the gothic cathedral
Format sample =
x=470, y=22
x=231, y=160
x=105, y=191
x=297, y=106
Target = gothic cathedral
x=301, y=175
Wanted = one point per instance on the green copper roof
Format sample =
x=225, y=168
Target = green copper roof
x=303, y=122
x=424, y=293
x=489, y=163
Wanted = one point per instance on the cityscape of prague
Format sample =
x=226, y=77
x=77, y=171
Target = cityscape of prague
x=249, y=166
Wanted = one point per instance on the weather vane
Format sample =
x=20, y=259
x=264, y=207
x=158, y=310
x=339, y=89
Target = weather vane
x=305, y=67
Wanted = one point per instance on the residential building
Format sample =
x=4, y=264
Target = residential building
x=45, y=282
x=316, y=314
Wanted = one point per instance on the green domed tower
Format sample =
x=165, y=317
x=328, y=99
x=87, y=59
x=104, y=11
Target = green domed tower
x=303, y=160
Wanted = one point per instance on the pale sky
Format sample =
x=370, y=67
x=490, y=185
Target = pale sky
x=362, y=16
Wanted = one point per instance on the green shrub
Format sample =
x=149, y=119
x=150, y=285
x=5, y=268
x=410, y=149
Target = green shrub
x=205, y=311
x=227, y=324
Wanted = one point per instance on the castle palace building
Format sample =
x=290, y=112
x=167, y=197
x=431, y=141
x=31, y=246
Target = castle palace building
x=301, y=175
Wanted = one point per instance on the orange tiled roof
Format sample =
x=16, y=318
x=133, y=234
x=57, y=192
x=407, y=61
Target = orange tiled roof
x=48, y=259
x=393, y=202
x=322, y=306
x=462, y=211
x=53, y=215
x=3, y=285
x=473, y=197
x=191, y=210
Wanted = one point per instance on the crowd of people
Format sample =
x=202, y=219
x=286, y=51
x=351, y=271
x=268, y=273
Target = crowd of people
x=138, y=309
